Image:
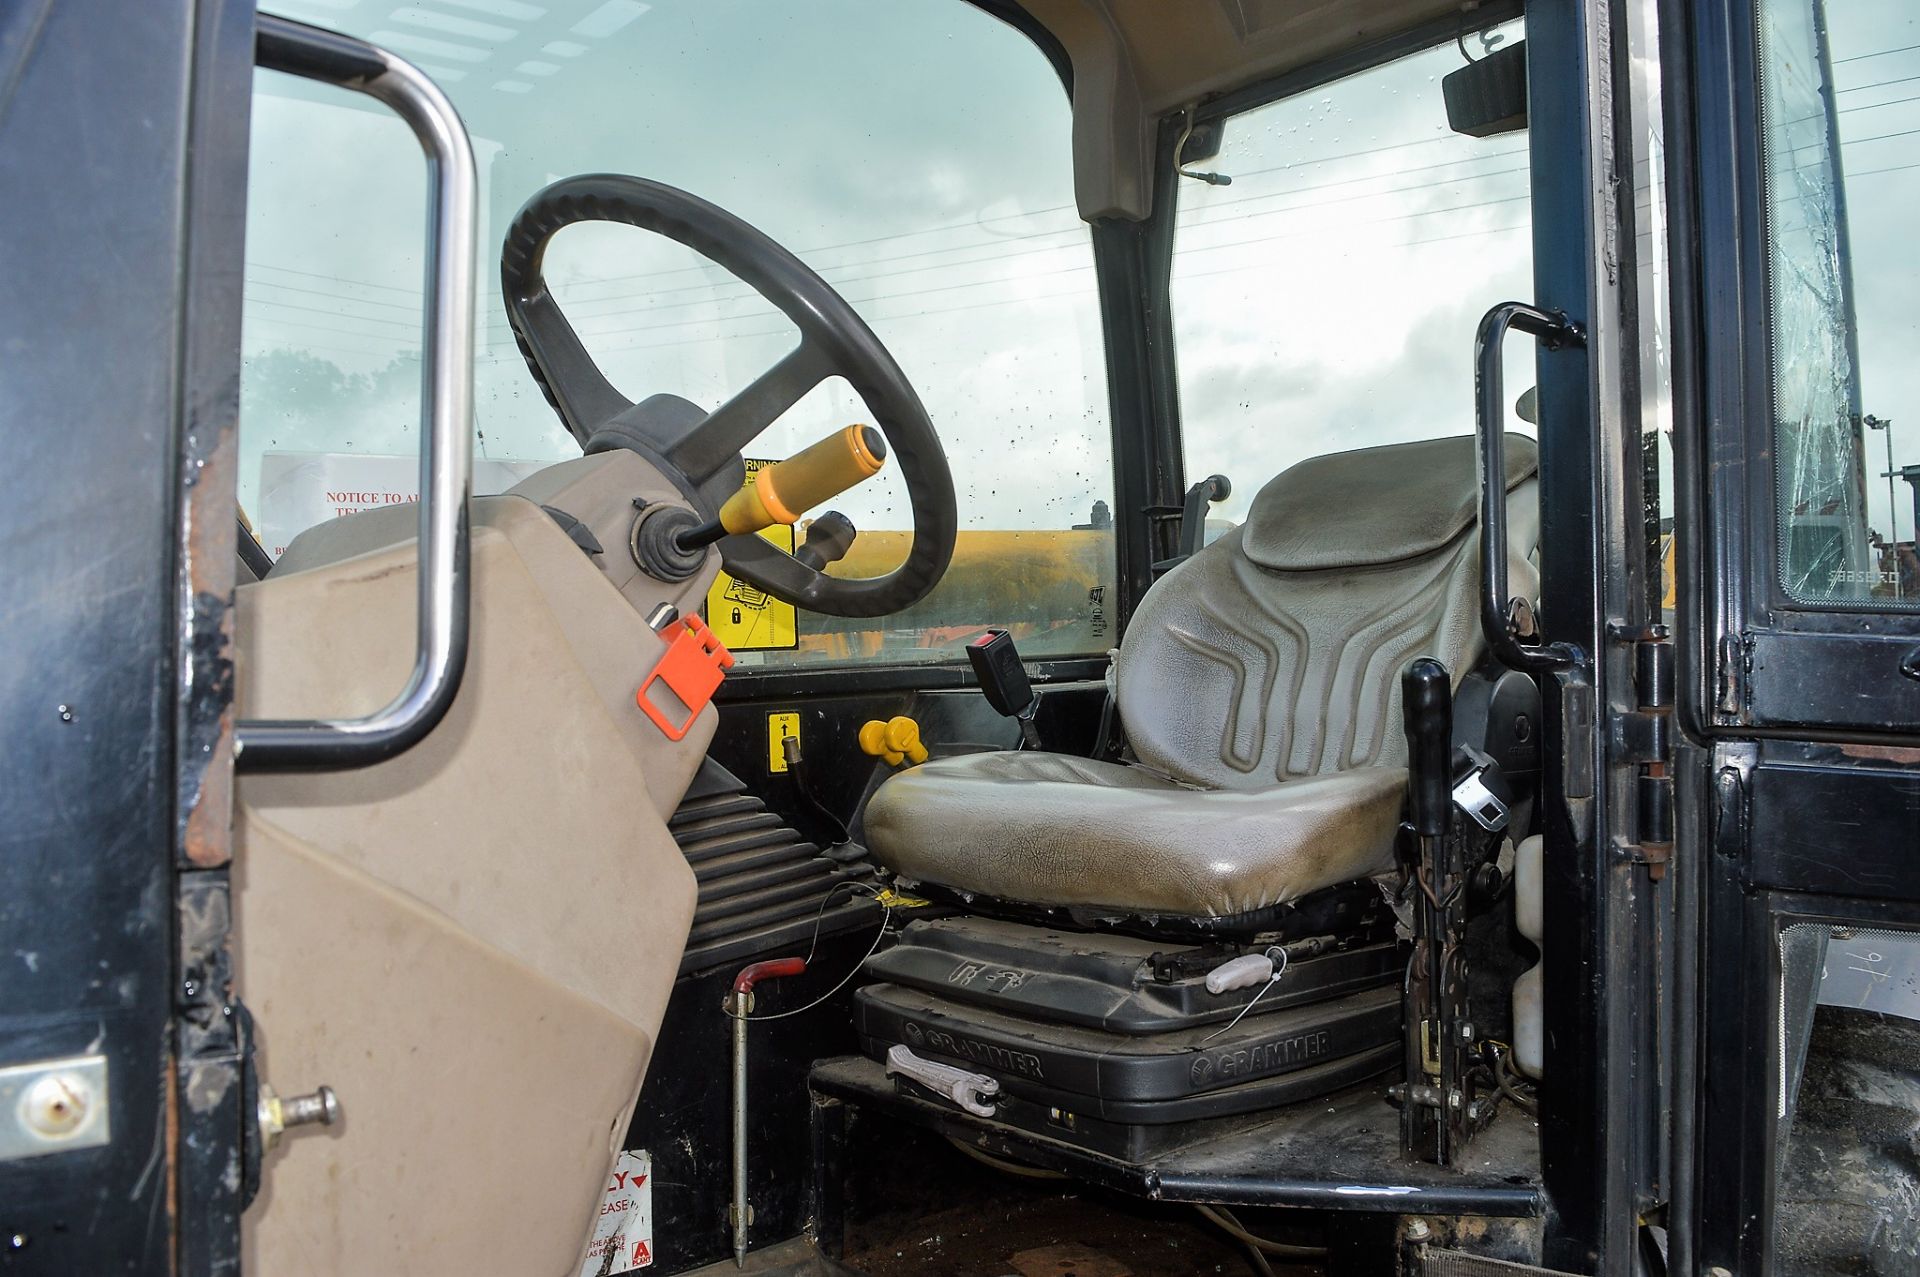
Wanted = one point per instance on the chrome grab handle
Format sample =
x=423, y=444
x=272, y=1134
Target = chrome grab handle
x=1498, y=618
x=446, y=407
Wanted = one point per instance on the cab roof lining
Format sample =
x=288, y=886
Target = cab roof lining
x=1137, y=60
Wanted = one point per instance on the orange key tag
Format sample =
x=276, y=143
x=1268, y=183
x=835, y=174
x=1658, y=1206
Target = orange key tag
x=684, y=681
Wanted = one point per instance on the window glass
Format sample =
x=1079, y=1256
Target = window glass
x=916, y=153
x=1842, y=116
x=1327, y=299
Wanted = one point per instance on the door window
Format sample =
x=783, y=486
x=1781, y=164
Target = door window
x=1327, y=299
x=916, y=154
x=1840, y=92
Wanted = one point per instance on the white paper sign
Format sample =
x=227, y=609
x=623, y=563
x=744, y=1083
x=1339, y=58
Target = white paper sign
x=300, y=489
x=623, y=1232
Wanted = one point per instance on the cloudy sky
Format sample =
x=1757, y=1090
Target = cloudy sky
x=1875, y=48
x=916, y=153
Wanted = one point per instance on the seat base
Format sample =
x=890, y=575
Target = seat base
x=1112, y=1043
x=1117, y=841
x=1352, y=910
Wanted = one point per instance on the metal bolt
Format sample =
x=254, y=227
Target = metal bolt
x=276, y=1115
x=66, y=713
x=1418, y=1231
x=57, y=1105
x=306, y=1110
x=17, y=1242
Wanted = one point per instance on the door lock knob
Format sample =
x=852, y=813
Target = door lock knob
x=277, y=1116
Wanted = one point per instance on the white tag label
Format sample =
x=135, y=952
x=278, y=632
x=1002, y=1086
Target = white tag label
x=623, y=1233
x=301, y=489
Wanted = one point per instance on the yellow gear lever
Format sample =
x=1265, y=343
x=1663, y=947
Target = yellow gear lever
x=897, y=740
x=785, y=490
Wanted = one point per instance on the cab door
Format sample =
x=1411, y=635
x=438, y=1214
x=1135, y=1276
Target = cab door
x=1795, y=159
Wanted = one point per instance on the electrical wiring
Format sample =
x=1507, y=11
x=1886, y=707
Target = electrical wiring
x=1226, y=1220
x=1279, y=957
x=1002, y=1164
x=819, y=917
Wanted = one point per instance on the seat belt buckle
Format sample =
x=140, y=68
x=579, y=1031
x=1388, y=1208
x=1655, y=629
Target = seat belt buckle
x=688, y=673
x=1003, y=681
x=1473, y=795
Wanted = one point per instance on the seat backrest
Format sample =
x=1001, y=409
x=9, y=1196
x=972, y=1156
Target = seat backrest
x=1276, y=652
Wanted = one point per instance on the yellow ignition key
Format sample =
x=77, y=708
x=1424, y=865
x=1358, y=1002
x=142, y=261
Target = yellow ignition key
x=897, y=740
x=782, y=492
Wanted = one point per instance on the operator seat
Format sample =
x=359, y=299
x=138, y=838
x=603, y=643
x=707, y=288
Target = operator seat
x=1259, y=684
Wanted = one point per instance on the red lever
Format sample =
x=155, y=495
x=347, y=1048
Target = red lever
x=774, y=970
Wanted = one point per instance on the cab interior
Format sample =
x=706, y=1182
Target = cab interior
x=977, y=516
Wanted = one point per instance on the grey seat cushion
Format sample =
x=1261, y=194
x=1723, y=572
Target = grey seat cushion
x=1056, y=830
x=1259, y=685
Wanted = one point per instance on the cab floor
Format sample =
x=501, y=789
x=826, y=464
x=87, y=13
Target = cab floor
x=1051, y=1234
x=919, y=1207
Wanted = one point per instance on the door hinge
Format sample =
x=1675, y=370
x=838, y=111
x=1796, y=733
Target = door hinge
x=1642, y=738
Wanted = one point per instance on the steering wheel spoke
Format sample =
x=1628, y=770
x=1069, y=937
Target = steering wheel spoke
x=738, y=422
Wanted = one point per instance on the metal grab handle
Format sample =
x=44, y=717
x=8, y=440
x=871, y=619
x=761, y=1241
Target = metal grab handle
x=446, y=408
x=1553, y=330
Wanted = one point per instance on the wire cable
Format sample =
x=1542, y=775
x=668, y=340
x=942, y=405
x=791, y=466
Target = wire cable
x=1225, y=1218
x=1002, y=1164
x=1279, y=958
x=818, y=918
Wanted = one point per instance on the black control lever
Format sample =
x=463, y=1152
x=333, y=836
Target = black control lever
x=829, y=537
x=1426, y=705
x=1003, y=680
x=1193, y=518
x=1433, y=1094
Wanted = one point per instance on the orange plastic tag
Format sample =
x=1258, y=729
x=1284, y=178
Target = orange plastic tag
x=684, y=681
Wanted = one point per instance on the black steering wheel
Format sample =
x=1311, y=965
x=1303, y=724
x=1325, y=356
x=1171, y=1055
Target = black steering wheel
x=699, y=452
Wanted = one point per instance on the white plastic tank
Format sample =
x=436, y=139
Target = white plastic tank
x=1529, y=1017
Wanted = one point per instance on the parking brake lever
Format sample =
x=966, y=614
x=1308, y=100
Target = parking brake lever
x=1432, y=1094
x=1426, y=704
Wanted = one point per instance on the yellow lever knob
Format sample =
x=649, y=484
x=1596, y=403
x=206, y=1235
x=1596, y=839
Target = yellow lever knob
x=782, y=492
x=897, y=740
x=873, y=740
x=903, y=737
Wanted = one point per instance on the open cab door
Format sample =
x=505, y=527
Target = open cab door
x=1799, y=950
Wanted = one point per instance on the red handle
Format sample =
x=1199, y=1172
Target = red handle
x=774, y=970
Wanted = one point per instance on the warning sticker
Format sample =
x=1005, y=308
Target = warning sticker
x=744, y=616
x=623, y=1233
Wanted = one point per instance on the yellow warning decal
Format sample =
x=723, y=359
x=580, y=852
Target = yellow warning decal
x=779, y=727
x=745, y=617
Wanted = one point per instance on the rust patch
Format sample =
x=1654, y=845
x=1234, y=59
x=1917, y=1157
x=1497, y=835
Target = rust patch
x=170, y=1107
x=1883, y=753
x=208, y=550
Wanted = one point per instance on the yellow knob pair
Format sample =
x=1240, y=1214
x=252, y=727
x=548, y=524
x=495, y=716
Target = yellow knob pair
x=897, y=740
